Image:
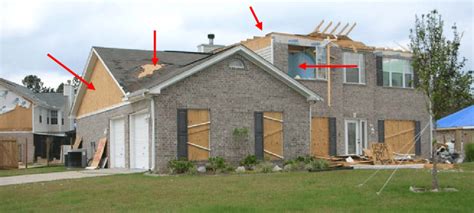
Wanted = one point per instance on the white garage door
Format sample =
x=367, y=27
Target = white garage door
x=117, y=143
x=139, y=144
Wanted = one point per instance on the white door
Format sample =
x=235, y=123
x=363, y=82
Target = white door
x=355, y=136
x=139, y=143
x=117, y=143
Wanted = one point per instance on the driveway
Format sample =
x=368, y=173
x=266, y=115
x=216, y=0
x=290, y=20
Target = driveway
x=63, y=175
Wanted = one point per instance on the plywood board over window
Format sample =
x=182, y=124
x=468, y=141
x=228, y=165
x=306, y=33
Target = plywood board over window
x=273, y=135
x=198, y=134
x=400, y=136
x=320, y=137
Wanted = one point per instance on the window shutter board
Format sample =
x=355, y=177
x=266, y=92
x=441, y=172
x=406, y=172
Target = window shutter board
x=379, y=68
x=381, y=130
x=332, y=136
x=418, y=138
x=259, y=135
x=182, y=134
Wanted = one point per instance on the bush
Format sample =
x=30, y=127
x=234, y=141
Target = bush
x=249, y=162
x=293, y=165
x=180, y=166
x=469, y=153
x=316, y=165
x=216, y=164
x=265, y=167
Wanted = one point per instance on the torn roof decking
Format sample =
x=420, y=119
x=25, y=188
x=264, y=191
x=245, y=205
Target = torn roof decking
x=342, y=40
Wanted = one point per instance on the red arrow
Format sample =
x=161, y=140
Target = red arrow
x=154, y=59
x=89, y=85
x=259, y=23
x=304, y=66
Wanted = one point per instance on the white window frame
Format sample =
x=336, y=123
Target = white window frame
x=360, y=67
x=405, y=71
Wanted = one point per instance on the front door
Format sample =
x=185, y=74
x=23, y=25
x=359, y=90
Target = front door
x=356, y=136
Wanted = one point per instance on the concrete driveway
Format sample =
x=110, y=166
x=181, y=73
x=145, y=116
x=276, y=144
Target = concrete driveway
x=21, y=179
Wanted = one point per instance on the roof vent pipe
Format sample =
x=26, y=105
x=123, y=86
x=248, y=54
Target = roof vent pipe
x=211, y=38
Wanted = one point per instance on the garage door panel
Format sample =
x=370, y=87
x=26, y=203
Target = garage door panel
x=117, y=143
x=139, y=141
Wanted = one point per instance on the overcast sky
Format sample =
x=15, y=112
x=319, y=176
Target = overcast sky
x=68, y=29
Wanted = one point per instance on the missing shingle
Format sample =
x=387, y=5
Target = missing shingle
x=149, y=69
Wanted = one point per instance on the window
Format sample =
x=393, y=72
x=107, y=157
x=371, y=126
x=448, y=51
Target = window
x=237, y=64
x=354, y=75
x=309, y=55
x=397, y=73
x=54, y=117
x=47, y=117
x=40, y=119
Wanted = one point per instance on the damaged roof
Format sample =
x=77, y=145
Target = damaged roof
x=50, y=100
x=127, y=64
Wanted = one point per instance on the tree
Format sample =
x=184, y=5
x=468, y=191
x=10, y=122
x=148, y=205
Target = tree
x=60, y=88
x=437, y=64
x=33, y=83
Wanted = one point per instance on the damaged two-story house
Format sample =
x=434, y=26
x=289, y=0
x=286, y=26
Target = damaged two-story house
x=373, y=103
x=250, y=98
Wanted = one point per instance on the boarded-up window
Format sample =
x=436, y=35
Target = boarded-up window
x=320, y=136
x=400, y=136
x=273, y=135
x=198, y=134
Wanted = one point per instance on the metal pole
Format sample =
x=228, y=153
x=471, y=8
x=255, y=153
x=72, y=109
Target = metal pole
x=26, y=153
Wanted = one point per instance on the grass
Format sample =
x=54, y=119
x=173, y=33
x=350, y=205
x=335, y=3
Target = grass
x=335, y=191
x=37, y=170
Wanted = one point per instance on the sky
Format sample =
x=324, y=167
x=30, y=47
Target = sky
x=67, y=29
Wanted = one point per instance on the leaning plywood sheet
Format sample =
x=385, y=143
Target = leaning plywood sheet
x=98, y=154
x=77, y=143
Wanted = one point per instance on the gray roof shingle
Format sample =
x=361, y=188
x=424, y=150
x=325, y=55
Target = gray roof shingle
x=125, y=65
x=52, y=100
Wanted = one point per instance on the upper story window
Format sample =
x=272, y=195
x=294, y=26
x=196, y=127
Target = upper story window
x=309, y=55
x=397, y=73
x=237, y=64
x=354, y=75
x=54, y=117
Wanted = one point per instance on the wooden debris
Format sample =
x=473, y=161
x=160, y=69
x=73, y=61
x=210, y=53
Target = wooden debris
x=98, y=154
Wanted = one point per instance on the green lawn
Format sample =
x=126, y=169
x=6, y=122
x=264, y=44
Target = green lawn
x=299, y=191
x=14, y=172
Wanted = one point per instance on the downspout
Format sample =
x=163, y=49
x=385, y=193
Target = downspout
x=152, y=111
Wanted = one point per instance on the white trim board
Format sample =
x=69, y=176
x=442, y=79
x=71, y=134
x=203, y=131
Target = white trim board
x=252, y=56
x=103, y=110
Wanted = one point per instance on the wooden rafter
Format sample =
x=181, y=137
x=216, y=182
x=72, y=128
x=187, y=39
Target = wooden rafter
x=325, y=29
x=344, y=28
x=335, y=28
x=319, y=26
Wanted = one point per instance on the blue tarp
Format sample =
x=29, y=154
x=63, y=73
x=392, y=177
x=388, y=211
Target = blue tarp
x=462, y=118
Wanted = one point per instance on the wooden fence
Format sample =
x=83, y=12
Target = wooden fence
x=8, y=154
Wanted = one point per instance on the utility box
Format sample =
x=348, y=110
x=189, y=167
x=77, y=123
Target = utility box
x=76, y=158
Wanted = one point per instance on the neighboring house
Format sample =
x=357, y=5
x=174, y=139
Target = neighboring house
x=31, y=117
x=459, y=127
x=375, y=102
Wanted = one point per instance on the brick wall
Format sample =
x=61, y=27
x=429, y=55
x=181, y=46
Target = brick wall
x=232, y=97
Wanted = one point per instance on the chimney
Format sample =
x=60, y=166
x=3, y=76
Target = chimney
x=205, y=48
x=211, y=38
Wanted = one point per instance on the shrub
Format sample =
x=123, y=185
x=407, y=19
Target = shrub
x=316, y=165
x=180, y=166
x=241, y=133
x=469, y=153
x=249, y=162
x=216, y=164
x=293, y=165
x=265, y=167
